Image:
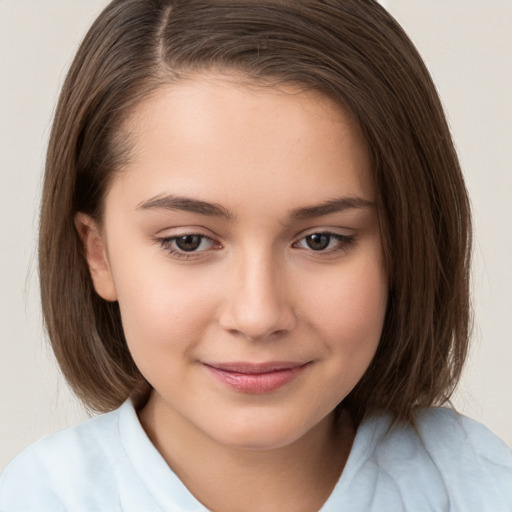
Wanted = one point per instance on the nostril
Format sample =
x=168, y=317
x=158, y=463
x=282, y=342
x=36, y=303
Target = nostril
x=257, y=305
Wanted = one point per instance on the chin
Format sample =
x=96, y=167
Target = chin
x=257, y=440
x=258, y=433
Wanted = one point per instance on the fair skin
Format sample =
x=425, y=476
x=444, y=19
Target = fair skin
x=242, y=243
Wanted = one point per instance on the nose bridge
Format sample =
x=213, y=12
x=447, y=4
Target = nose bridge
x=258, y=305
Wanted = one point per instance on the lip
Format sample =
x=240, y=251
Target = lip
x=256, y=378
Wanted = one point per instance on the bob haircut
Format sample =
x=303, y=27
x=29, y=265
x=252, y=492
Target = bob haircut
x=352, y=51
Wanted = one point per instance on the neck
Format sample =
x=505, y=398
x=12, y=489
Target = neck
x=298, y=477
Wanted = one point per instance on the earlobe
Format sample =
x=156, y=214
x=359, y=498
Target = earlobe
x=96, y=256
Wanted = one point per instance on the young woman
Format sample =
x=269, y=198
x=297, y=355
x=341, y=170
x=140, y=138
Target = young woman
x=254, y=258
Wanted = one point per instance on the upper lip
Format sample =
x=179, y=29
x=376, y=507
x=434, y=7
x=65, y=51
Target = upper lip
x=256, y=368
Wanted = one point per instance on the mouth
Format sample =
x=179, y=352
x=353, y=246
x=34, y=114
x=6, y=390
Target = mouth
x=256, y=378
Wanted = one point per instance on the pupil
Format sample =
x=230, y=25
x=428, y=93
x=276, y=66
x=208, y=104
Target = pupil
x=318, y=241
x=188, y=242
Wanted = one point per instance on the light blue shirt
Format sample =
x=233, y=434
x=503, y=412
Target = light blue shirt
x=451, y=463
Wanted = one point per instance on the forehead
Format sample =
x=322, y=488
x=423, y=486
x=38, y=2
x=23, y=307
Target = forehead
x=211, y=136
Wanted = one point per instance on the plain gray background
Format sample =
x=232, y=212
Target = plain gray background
x=468, y=47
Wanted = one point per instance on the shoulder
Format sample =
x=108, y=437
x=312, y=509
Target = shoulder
x=469, y=458
x=445, y=433
x=76, y=469
x=460, y=459
x=446, y=462
x=33, y=475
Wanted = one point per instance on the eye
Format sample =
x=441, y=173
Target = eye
x=324, y=242
x=189, y=243
x=186, y=246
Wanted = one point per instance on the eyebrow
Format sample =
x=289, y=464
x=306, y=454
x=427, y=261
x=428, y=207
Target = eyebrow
x=187, y=204
x=171, y=202
x=332, y=206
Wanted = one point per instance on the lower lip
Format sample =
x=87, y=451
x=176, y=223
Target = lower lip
x=256, y=383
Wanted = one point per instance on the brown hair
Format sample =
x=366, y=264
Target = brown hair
x=351, y=50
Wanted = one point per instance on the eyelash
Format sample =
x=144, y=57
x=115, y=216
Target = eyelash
x=168, y=244
x=343, y=242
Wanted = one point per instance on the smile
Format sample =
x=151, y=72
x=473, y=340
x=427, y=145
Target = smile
x=256, y=378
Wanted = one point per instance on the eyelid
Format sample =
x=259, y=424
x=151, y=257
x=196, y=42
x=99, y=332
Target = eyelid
x=345, y=241
x=333, y=231
x=182, y=230
x=167, y=244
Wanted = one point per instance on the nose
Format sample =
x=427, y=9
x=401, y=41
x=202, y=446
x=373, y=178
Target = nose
x=257, y=306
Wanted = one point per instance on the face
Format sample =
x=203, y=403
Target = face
x=242, y=243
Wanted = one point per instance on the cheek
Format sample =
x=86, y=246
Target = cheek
x=349, y=310
x=162, y=309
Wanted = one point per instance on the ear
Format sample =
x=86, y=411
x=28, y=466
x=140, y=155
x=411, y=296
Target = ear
x=96, y=256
